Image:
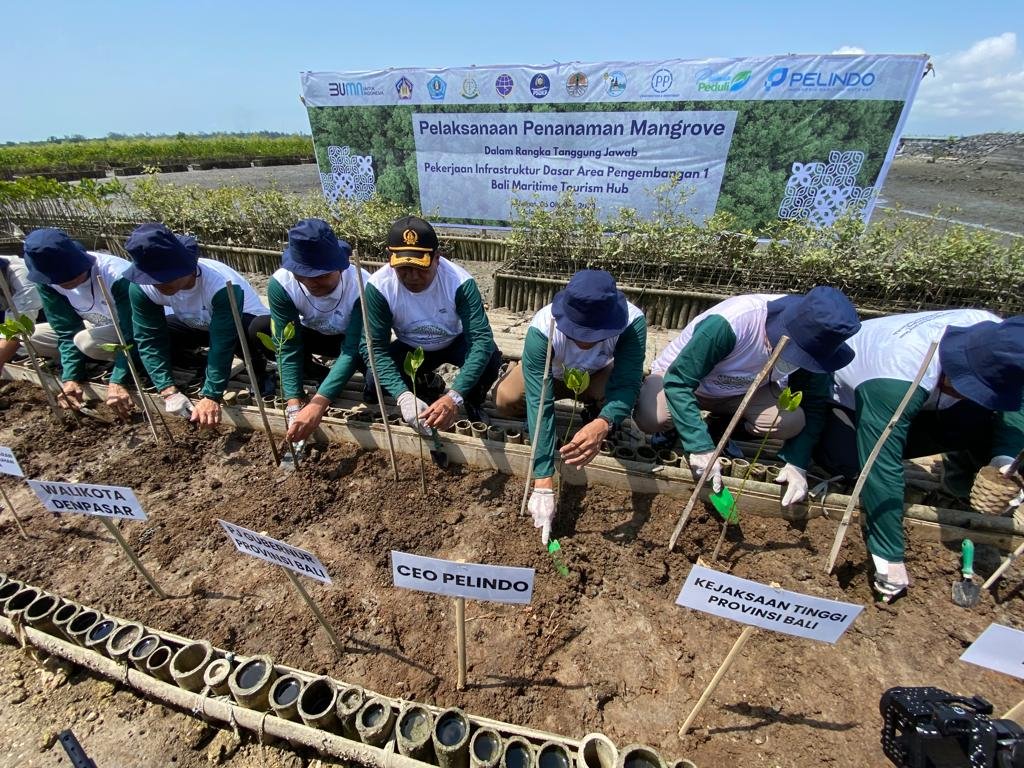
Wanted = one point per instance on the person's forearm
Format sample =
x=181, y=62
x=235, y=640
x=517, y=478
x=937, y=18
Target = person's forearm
x=8, y=349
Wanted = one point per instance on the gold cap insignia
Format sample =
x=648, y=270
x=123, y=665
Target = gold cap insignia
x=409, y=237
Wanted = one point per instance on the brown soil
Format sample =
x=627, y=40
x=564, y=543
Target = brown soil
x=603, y=649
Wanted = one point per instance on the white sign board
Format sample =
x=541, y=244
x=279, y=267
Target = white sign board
x=8, y=463
x=779, y=610
x=496, y=583
x=999, y=648
x=86, y=499
x=276, y=552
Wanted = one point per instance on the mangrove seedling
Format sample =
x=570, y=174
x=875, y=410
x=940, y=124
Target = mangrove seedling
x=723, y=501
x=577, y=381
x=21, y=327
x=413, y=361
x=276, y=342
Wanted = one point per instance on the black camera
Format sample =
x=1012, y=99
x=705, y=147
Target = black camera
x=930, y=728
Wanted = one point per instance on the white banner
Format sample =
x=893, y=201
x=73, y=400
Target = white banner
x=999, y=648
x=9, y=463
x=86, y=499
x=277, y=552
x=495, y=583
x=779, y=610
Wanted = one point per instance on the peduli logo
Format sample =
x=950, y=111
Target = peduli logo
x=709, y=81
x=661, y=81
x=469, y=88
x=809, y=81
x=540, y=85
x=576, y=84
x=616, y=82
x=404, y=87
x=436, y=88
x=503, y=84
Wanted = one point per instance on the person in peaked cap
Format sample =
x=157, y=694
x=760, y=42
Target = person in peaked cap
x=434, y=304
x=595, y=330
x=168, y=272
x=79, y=322
x=26, y=302
x=967, y=407
x=712, y=362
x=316, y=289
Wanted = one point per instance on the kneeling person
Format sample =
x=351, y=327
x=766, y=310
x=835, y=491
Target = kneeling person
x=26, y=302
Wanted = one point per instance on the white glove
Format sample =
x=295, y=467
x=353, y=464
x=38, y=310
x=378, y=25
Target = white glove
x=699, y=464
x=178, y=404
x=290, y=413
x=542, y=508
x=796, y=484
x=1002, y=463
x=411, y=407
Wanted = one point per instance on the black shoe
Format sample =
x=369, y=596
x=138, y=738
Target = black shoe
x=475, y=412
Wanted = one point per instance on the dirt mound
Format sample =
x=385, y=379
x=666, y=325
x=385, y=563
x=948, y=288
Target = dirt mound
x=604, y=648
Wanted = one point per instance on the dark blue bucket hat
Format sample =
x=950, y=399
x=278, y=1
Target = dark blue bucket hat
x=985, y=362
x=818, y=325
x=590, y=308
x=314, y=250
x=159, y=256
x=53, y=258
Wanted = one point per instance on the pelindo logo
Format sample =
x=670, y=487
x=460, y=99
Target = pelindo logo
x=709, y=81
x=781, y=76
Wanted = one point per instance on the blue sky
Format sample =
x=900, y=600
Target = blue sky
x=72, y=67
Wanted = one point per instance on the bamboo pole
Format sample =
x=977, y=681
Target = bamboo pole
x=540, y=413
x=751, y=390
x=866, y=469
x=734, y=652
x=131, y=364
x=1016, y=712
x=254, y=382
x=373, y=367
x=14, y=514
x=133, y=557
x=460, y=640
x=1007, y=562
x=315, y=609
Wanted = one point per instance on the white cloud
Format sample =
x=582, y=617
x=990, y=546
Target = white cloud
x=849, y=49
x=976, y=90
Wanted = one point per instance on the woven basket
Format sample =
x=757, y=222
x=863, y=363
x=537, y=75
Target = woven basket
x=992, y=491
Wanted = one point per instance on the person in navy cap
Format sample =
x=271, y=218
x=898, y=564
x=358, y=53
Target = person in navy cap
x=26, y=302
x=431, y=303
x=168, y=272
x=79, y=322
x=317, y=290
x=711, y=364
x=595, y=330
x=967, y=407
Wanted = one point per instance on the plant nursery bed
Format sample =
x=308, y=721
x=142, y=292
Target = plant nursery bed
x=603, y=648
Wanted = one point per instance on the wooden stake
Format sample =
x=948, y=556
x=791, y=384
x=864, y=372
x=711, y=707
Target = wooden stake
x=751, y=390
x=540, y=414
x=460, y=640
x=373, y=367
x=254, y=382
x=131, y=365
x=14, y=514
x=866, y=469
x=133, y=557
x=316, y=610
x=729, y=659
x=1003, y=566
x=1015, y=713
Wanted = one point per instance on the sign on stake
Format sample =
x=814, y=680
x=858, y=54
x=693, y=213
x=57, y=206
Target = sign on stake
x=1001, y=649
x=292, y=559
x=103, y=501
x=759, y=605
x=9, y=466
x=494, y=583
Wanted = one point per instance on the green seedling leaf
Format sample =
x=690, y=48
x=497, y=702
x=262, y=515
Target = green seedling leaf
x=553, y=549
x=413, y=361
x=265, y=340
x=9, y=329
x=273, y=327
x=789, y=400
x=289, y=331
x=110, y=347
x=26, y=324
x=725, y=505
x=577, y=380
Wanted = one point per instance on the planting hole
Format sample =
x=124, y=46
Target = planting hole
x=251, y=673
x=517, y=755
x=83, y=621
x=553, y=756
x=485, y=746
x=414, y=726
x=317, y=698
x=101, y=630
x=451, y=729
x=372, y=715
x=286, y=692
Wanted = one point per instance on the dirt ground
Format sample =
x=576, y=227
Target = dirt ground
x=604, y=648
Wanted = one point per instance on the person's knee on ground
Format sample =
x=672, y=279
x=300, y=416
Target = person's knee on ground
x=510, y=393
x=651, y=414
x=779, y=425
x=44, y=341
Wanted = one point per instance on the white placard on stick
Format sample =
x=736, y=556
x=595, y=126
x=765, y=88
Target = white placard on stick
x=9, y=463
x=779, y=610
x=999, y=648
x=495, y=583
x=276, y=552
x=87, y=499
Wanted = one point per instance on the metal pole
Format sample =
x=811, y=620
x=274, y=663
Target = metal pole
x=14, y=514
x=729, y=659
x=316, y=611
x=540, y=414
x=460, y=640
x=751, y=390
x=131, y=363
x=133, y=557
x=252, y=372
x=373, y=366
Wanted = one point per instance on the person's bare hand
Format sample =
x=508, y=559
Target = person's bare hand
x=206, y=413
x=585, y=444
x=74, y=395
x=440, y=414
x=119, y=401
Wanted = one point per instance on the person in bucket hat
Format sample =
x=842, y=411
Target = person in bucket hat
x=317, y=290
x=79, y=323
x=169, y=272
x=967, y=408
x=434, y=304
x=595, y=330
x=712, y=362
x=26, y=303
